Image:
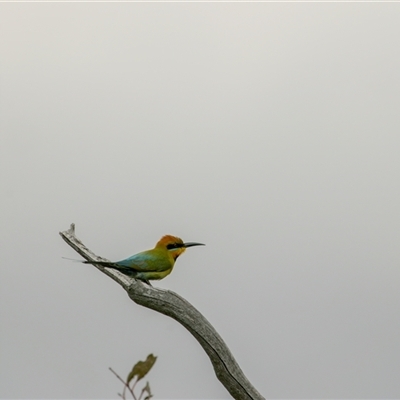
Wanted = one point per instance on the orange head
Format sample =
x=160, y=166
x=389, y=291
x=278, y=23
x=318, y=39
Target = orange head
x=175, y=245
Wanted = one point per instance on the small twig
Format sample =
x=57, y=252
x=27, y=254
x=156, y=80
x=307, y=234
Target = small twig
x=133, y=386
x=124, y=391
x=141, y=394
x=125, y=384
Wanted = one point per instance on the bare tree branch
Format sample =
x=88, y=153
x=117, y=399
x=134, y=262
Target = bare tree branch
x=176, y=307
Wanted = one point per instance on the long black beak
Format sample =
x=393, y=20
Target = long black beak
x=191, y=244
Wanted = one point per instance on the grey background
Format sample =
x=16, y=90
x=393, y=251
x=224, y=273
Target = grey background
x=270, y=132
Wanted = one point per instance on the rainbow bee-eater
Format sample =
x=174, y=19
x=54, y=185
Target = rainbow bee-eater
x=151, y=264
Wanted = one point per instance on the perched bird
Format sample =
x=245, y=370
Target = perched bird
x=151, y=264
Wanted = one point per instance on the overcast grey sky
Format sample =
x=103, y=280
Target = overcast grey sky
x=268, y=131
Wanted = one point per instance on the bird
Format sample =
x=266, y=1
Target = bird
x=154, y=264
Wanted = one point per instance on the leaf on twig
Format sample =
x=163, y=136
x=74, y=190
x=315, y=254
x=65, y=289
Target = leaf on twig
x=148, y=390
x=141, y=368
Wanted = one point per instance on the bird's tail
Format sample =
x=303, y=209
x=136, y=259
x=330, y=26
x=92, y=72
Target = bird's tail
x=122, y=268
x=102, y=263
x=72, y=259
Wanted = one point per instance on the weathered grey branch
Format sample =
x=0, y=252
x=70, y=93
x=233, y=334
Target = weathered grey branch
x=171, y=304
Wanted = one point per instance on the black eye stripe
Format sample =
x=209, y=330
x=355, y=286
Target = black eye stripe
x=174, y=246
